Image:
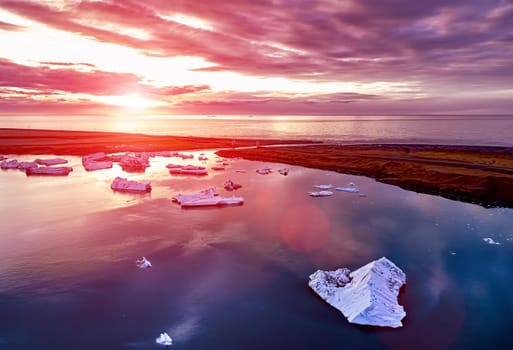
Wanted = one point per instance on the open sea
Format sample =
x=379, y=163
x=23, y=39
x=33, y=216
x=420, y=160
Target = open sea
x=456, y=130
x=237, y=277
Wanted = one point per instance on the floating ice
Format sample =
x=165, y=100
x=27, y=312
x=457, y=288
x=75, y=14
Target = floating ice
x=320, y=193
x=264, y=171
x=9, y=164
x=208, y=197
x=26, y=165
x=366, y=296
x=203, y=194
x=284, y=171
x=490, y=241
x=218, y=168
x=323, y=187
x=347, y=189
x=230, y=185
x=143, y=263
x=51, y=161
x=124, y=185
x=164, y=339
x=96, y=161
x=50, y=170
x=137, y=163
x=188, y=170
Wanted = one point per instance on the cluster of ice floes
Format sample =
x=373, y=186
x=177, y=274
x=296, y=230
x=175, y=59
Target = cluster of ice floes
x=207, y=197
x=164, y=339
x=367, y=296
x=33, y=168
x=324, y=190
x=266, y=171
x=123, y=185
x=143, y=263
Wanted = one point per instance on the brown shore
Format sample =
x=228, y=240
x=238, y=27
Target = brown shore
x=475, y=174
x=79, y=143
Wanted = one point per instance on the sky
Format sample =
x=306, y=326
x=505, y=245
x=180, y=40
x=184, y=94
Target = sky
x=301, y=57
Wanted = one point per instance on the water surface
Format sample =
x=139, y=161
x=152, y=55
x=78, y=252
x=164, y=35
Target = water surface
x=236, y=277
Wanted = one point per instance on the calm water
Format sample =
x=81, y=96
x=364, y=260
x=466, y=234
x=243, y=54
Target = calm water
x=236, y=277
x=467, y=130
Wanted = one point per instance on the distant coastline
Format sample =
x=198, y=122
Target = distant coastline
x=474, y=174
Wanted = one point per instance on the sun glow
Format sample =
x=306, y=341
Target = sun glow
x=130, y=101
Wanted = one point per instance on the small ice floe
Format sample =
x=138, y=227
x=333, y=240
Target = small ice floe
x=9, y=164
x=123, y=185
x=26, y=165
x=183, y=155
x=347, y=189
x=452, y=253
x=202, y=158
x=230, y=185
x=96, y=161
x=351, y=184
x=206, y=193
x=189, y=170
x=367, y=296
x=207, y=197
x=164, y=339
x=49, y=170
x=143, y=263
x=241, y=171
x=490, y=241
x=284, y=171
x=323, y=187
x=174, y=166
x=264, y=171
x=136, y=163
x=51, y=161
x=217, y=168
x=320, y=193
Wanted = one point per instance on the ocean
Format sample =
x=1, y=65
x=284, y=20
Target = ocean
x=487, y=130
x=237, y=277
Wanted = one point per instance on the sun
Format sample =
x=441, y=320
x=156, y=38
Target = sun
x=131, y=101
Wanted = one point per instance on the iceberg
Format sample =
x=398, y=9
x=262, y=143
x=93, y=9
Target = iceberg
x=164, y=339
x=218, y=168
x=490, y=241
x=51, y=161
x=3, y=157
x=264, y=171
x=50, y=170
x=124, y=185
x=9, y=164
x=26, y=165
x=367, y=296
x=188, y=170
x=143, y=263
x=320, y=193
x=136, y=163
x=207, y=197
x=323, y=187
x=96, y=161
x=230, y=185
x=284, y=171
x=347, y=189
x=202, y=158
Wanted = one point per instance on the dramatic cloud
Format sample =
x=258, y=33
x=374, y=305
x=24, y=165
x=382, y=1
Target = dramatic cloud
x=439, y=46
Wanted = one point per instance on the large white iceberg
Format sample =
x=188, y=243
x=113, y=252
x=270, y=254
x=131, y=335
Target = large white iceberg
x=137, y=163
x=124, y=185
x=367, y=296
x=50, y=170
x=347, y=189
x=164, y=339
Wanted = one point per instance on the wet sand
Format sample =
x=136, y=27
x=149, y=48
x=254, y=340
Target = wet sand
x=481, y=175
x=474, y=174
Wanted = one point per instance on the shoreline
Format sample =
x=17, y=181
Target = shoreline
x=475, y=174
x=79, y=143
